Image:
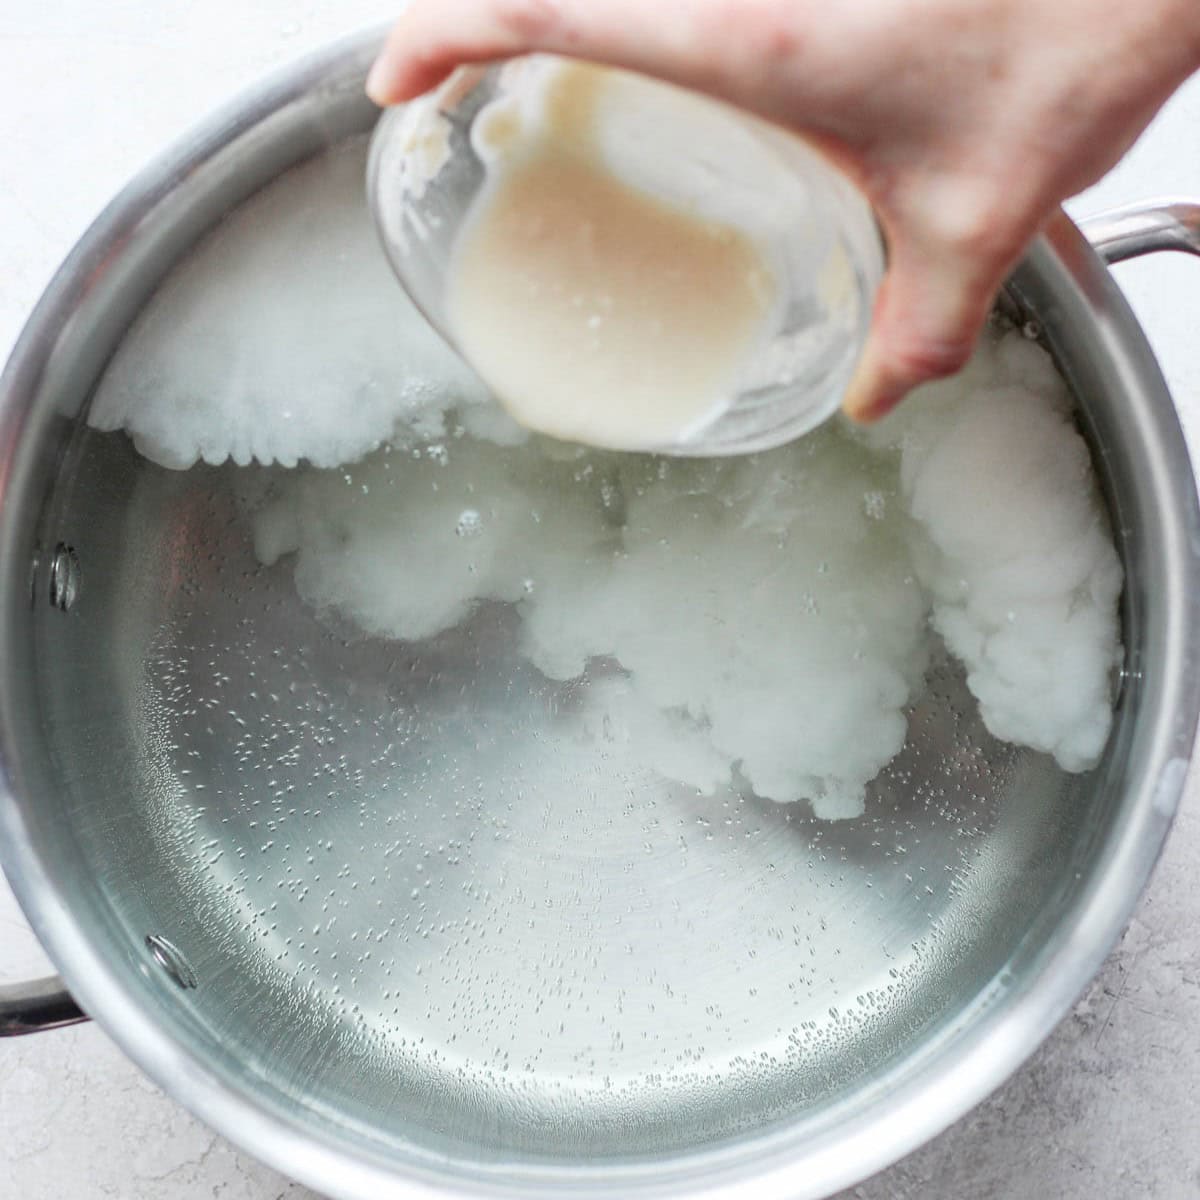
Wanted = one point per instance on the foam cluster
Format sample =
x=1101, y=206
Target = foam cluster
x=283, y=338
x=760, y=622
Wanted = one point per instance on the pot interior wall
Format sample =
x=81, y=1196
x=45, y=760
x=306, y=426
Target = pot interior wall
x=385, y=938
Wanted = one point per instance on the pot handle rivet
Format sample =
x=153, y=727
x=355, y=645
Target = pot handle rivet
x=171, y=959
x=64, y=577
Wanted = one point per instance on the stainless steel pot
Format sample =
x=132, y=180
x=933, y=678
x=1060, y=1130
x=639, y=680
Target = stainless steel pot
x=595, y=1029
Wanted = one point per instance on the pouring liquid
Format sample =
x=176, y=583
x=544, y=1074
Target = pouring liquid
x=596, y=311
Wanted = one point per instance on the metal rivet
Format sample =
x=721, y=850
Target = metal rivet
x=170, y=958
x=1125, y=678
x=64, y=577
x=34, y=568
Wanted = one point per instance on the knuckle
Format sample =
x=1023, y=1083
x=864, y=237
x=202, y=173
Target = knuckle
x=529, y=22
x=983, y=243
x=921, y=357
x=980, y=231
x=971, y=215
x=772, y=34
x=755, y=35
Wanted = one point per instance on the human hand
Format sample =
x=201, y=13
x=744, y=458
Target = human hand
x=965, y=122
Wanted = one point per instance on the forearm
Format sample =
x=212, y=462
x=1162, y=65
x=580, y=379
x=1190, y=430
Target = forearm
x=1182, y=23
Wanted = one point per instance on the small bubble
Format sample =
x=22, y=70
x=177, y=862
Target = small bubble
x=875, y=505
x=470, y=523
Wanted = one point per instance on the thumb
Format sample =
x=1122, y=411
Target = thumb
x=931, y=306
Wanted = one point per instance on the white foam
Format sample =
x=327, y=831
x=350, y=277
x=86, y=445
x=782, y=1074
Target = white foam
x=1015, y=550
x=762, y=620
x=769, y=617
x=769, y=614
x=283, y=337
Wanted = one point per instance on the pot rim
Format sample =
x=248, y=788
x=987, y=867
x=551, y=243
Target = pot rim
x=992, y=1037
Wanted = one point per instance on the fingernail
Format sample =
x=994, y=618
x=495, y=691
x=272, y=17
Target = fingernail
x=874, y=409
x=871, y=395
x=865, y=403
x=857, y=401
x=377, y=82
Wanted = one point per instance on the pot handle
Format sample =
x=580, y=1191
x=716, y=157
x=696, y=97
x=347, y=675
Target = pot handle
x=1144, y=228
x=37, y=1006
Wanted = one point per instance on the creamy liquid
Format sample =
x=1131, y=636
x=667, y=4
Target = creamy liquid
x=597, y=312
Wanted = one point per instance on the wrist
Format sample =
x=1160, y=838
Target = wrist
x=1181, y=20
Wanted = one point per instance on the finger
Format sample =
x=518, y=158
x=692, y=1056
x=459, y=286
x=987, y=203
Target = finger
x=930, y=309
x=432, y=37
x=718, y=46
x=435, y=36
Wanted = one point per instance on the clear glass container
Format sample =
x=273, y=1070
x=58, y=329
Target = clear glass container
x=429, y=169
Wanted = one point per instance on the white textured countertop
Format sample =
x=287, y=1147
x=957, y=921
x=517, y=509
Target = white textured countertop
x=1109, y=1108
